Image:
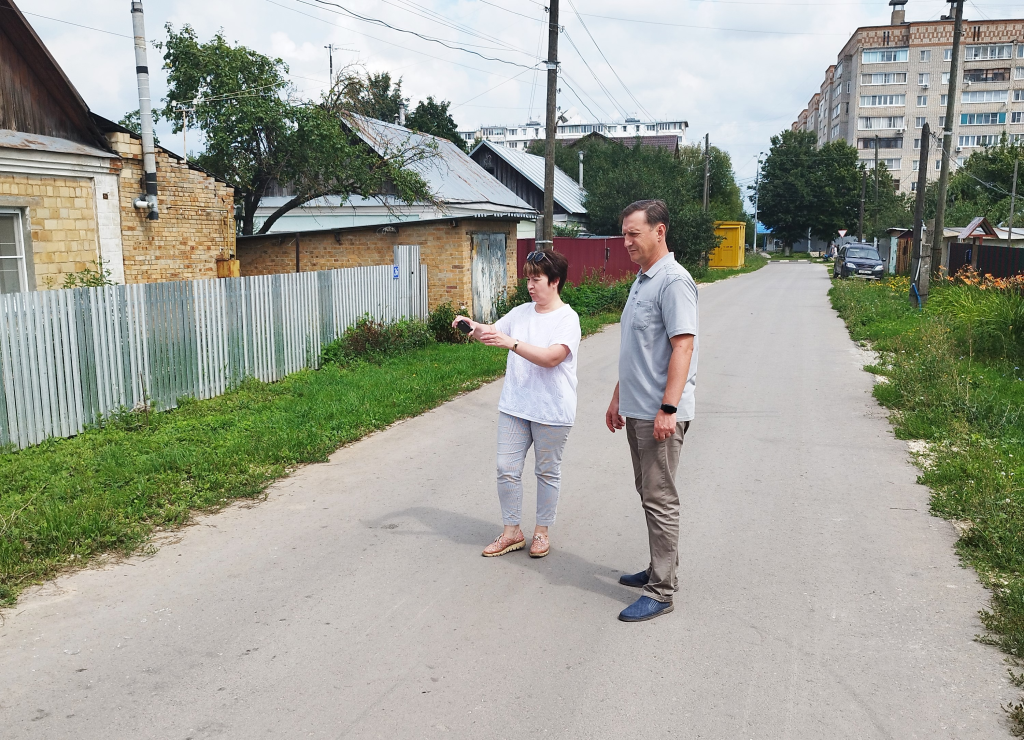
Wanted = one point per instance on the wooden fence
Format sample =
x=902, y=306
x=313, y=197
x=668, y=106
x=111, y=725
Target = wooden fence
x=68, y=358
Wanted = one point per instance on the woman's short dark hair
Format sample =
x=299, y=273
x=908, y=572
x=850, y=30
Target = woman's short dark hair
x=552, y=264
x=655, y=211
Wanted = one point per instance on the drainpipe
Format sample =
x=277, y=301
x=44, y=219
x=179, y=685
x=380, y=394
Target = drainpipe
x=149, y=201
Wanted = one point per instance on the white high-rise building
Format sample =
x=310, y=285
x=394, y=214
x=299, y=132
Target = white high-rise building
x=889, y=80
x=572, y=126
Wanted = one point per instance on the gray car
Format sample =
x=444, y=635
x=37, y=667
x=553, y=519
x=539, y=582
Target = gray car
x=858, y=260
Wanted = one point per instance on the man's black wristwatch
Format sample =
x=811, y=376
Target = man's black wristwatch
x=668, y=409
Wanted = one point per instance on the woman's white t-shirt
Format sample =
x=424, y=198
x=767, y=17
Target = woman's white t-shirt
x=546, y=395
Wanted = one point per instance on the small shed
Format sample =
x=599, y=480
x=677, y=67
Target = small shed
x=731, y=252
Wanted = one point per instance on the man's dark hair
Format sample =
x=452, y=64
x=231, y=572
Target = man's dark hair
x=553, y=264
x=655, y=211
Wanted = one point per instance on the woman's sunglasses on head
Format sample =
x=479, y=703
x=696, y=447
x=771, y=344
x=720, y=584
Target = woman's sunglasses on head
x=535, y=257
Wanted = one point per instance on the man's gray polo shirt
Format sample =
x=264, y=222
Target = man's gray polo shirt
x=662, y=304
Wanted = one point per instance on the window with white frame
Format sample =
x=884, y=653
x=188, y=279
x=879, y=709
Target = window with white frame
x=880, y=122
x=982, y=119
x=1016, y=138
x=943, y=99
x=926, y=55
x=942, y=122
x=994, y=51
x=13, y=276
x=978, y=140
x=913, y=187
x=919, y=122
x=916, y=164
x=834, y=132
x=1015, y=117
x=878, y=56
x=1020, y=51
x=938, y=164
x=837, y=90
x=924, y=78
x=875, y=101
x=835, y=111
x=883, y=78
x=890, y=164
x=1018, y=95
x=1018, y=73
x=945, y=78
x=947, y=54
x=983, y=96
x=922, y=101
x=839, y=70
x=917, y=143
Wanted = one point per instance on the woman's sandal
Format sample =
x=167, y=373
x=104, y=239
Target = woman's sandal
x=503, y=545
x=539, y=547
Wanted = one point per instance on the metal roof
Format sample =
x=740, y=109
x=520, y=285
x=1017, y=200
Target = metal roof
x=450, y=174
x=568, y=193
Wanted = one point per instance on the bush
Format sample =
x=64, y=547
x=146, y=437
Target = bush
x=517, y=297
x=440, y=324
x=374, y=341
x=594, y=296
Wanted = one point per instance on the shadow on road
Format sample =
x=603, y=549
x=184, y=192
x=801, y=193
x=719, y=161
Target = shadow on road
x=560, y=568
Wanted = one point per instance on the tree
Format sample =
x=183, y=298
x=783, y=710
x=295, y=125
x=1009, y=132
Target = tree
x=982, y=186
x=133, y=123
x=371, y=95
x=803, y=187
x=615, y=175
x=894, y=209
x=256, y=134
x=432, y=117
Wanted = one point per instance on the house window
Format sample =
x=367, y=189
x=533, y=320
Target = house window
x=945, y=78
x=13, y=278
x=922, y=101
x=1020, y=51
x=943, y=99
x=913, y=186
x=985, y=96
x=878, y=56
x=835, y=111
x=890, y=164
x=938, y=164
x=978, y=140
x=942, y=122
x=874, y=101
x=926, y=55
x=924, y=78
x=982, y=119
x=998, y=51
x=947, y=54
x=883, y=143
x=896, y=183
x=839, y=70
x=996, y=74
x=917, y=143
x=1015, y=117
x=916, y=165
x=884, y=78
x=881, y=122
x=835, y=131
x=919, y=122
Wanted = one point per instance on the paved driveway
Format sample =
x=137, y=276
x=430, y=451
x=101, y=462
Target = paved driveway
x=818, y=599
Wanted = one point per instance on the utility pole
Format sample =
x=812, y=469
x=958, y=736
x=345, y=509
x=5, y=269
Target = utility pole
x=550, y=125
x=707, y=169
x=330, y=60
x=757, y=195
x=947, y=136
x=184, y=128
x=875, y=219
x=860, y=216
x=581, y=168
x=1013, y=199
x=920, y=263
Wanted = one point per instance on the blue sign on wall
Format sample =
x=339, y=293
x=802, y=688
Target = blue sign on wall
x=394, y=273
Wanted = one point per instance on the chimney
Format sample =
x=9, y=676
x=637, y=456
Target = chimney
x=401, y=114
x=899, y=13
x=145, y=114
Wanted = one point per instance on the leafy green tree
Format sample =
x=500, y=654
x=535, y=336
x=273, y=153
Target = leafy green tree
x=615, y=175
x=803, y=187
x=371, y=95
x=893, y=208
x=257, y=135
x=982, y=187
x=432, y=117
x=132, y=122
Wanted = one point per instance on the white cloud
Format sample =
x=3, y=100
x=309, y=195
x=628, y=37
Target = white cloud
x=740, y=87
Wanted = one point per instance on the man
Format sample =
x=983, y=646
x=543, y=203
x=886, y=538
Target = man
x=654, y=398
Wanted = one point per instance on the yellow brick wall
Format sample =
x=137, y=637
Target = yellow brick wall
x=62, y=221
x=196, y=225
x=444, y=248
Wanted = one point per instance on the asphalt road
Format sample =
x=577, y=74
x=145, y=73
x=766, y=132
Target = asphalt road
x=818, y=598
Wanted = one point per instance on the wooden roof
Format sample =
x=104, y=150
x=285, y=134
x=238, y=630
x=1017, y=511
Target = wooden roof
x=36, y=97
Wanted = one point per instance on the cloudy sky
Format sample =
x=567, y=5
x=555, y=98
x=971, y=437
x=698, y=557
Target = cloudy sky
x=739, y=69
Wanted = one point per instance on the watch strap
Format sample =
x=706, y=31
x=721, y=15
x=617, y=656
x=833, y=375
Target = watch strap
x=668, y=408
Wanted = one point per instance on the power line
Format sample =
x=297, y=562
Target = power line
x=601, y=52
x=593, y=74
x=442, y=42
x=447, y=22
x=491, y=88
x=571, y=89
x=710, y=28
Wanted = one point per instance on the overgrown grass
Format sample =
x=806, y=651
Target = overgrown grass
x=954, y=373
x=67, y=500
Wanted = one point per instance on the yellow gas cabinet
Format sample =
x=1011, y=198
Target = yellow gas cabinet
x=729, y=254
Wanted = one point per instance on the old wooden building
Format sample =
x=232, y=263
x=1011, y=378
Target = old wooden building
x=69, y=178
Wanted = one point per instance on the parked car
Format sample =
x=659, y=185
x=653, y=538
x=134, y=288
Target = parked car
x=858, y=260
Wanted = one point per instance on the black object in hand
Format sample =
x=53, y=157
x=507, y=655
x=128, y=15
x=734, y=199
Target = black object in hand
x=464, y=327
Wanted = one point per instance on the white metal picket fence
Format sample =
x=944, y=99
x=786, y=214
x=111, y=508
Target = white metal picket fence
x=68, y=358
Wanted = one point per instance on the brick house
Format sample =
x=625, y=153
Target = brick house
x=68, y=180
x=470, y=260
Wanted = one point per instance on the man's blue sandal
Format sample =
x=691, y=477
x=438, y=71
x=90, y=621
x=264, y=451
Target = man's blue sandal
x=645, y=608
x=637, y=580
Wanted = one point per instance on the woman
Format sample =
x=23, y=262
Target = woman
x=538, y=401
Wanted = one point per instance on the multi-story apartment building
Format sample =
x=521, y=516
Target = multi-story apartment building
x=572, y=126
x=889, y=80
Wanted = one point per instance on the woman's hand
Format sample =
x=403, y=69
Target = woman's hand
x=491, y=336
x=473, y=326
